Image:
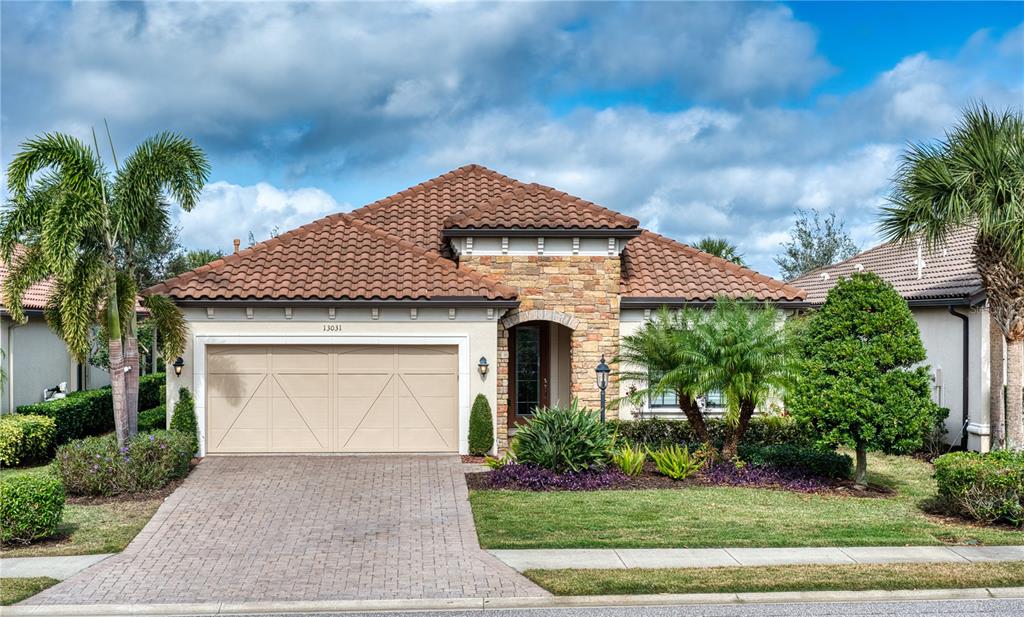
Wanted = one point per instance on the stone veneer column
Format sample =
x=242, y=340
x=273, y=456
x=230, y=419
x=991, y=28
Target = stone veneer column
x=584, y=287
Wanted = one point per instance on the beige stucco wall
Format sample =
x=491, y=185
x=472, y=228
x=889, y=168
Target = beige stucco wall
x=355, y=326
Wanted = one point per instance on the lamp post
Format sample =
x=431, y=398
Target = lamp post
x=602, y=371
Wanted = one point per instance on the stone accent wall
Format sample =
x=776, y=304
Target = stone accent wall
x=583, y=288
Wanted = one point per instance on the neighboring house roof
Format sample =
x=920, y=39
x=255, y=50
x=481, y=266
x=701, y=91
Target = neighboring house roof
x=36, y=296
x=333, y=258
x=535, y=206
x=320, y=261
x=946, y=273
x=658, y=267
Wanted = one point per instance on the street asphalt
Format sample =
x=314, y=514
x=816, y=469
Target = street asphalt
x=943, y=608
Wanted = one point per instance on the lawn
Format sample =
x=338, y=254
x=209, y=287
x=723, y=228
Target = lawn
x=88, y=529
x=17, y=589
x=781, y=578
x=728, y=517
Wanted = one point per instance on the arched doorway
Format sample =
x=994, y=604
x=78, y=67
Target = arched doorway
x=540, y=375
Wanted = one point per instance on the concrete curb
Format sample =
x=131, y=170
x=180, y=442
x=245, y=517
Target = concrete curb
x=442, y=604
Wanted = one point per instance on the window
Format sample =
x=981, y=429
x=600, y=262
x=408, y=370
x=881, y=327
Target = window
x=665, y=399
x=528, y=370
x=715, y=398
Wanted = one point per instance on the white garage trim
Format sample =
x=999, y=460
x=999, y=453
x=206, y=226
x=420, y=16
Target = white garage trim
x=199, y=344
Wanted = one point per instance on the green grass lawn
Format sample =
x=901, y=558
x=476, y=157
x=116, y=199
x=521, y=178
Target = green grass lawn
x=87, y=529
x=781, y=578
x=727, y=517
x=17, y=589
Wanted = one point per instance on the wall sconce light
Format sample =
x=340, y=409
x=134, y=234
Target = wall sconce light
x=482, y=366
x=178, y=363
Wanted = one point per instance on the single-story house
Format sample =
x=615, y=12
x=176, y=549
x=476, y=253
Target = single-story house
x=34, y=358
x=945, y=294
x=373, y=330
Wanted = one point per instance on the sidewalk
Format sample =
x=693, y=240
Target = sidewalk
x=557, y=559
x=59, y=568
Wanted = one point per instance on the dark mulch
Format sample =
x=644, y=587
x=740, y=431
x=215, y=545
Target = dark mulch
x=474, y=460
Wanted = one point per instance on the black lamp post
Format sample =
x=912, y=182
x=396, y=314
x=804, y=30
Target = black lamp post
x=602, y=371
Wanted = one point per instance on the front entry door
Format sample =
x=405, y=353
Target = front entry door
x=529, y=353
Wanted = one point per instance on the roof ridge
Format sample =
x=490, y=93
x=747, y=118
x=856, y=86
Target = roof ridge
x=534, y=188
x=715, y=261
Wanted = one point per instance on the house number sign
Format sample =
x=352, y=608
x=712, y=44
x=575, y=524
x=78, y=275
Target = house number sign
x=332, y=327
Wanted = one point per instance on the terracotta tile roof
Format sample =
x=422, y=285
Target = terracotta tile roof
x=535, y=206
x=36, y=296
x=947, y=273
x=336, y=257
x=657, y=267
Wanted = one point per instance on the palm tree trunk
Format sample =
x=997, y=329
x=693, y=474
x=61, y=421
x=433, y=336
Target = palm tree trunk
x=1015, y=394
x=735, y=436
x=131, y=376
x=117, y=380
x=997, y=402
x=691, y=410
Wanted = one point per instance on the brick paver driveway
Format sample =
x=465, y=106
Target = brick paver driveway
x=304, y=528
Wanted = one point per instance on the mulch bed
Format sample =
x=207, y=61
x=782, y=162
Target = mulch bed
x=473, y=460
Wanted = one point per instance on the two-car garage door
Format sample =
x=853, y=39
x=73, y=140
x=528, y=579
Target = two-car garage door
x=371, y=398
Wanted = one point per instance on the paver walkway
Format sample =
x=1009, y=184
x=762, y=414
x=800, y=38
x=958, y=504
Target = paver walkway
x=59, y=568
x=555, y=559
x=280, y=528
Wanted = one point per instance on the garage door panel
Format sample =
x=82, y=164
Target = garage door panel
x=241, y=359
x=240, y=440
x=249, y=413
x=366, y=439
x=368, y=359
x=311, y=412
x=430, y=385
x=300, y=360
x=299, y=440
x=426, y=440
x=238, y=385
x=300, y=385
x=363, y=385
x=430, y=359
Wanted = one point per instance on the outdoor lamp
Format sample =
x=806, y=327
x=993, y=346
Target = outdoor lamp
x=178, y=363
x=602, y=371
x=482, y=366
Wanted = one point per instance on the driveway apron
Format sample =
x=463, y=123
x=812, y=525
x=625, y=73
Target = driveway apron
x=281, y=528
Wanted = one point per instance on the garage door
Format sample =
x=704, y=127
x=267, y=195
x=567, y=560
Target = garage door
x=332, y=399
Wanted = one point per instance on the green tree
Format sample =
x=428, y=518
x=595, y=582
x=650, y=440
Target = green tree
x=975, y=177
x=82, y=226
x=481, y=427
x=190, y=260
x=814, y=242
x=720, y=247
x=860, y=381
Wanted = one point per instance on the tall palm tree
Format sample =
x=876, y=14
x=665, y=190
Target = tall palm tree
x=720, y=247
x=747, y=357
x=666, y=357
x=975, y=177
x=81, y=226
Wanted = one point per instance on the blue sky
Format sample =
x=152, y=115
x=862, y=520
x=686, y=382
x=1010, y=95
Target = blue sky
x=699, y=119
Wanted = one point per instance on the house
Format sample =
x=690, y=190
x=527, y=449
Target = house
x=34, y=358
x=373, y=330
x=946, y=296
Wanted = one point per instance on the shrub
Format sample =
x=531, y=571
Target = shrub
x=481, y=427
x=563, y=439
x=533, y=478
x=802, y=460
x=676, y=462
x=153, y=419
x=494, y=462
x=91, y=412
x=184, y=418
x=148, y=461
x=31, y=507
x=25, y=439
x=986, y=487
x=630, y=459
x=764, y=430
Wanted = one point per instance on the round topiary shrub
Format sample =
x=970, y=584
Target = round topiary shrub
x=481, y=427
x=563, y=439
x=31, y=507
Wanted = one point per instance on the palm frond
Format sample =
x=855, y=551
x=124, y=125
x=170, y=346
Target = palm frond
x=169, y=322
x=25, y=271
x=72, y=310
x=76, y=165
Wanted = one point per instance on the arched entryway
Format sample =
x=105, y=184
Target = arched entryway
x=540, y=361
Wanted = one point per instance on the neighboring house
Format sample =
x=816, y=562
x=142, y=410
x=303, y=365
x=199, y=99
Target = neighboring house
x=372, y=331
x=944, y=291
x=35, y=358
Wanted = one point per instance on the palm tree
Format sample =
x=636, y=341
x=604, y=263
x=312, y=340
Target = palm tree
x=747, y=357
x=82, y=226
x=975, y=177
x=665, y=355
x=720, y=247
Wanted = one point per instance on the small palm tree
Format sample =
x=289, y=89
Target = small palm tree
x=975, y=177
x=81, y=226
x=720, y=247
x=748, y=358
x=665, y=355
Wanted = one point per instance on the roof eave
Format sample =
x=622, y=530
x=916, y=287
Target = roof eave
x=439, y=301
x=655, y=302
x=532, y=232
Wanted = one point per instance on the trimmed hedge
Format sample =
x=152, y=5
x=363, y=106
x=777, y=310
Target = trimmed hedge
x=153, y=419
x=811, y=462
x=657, y=433
x=481, y=427
x=25, y=439
x=986, y=487
x=184, y=418
x=31, y=507
x=148, y=461
x=91, y=412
